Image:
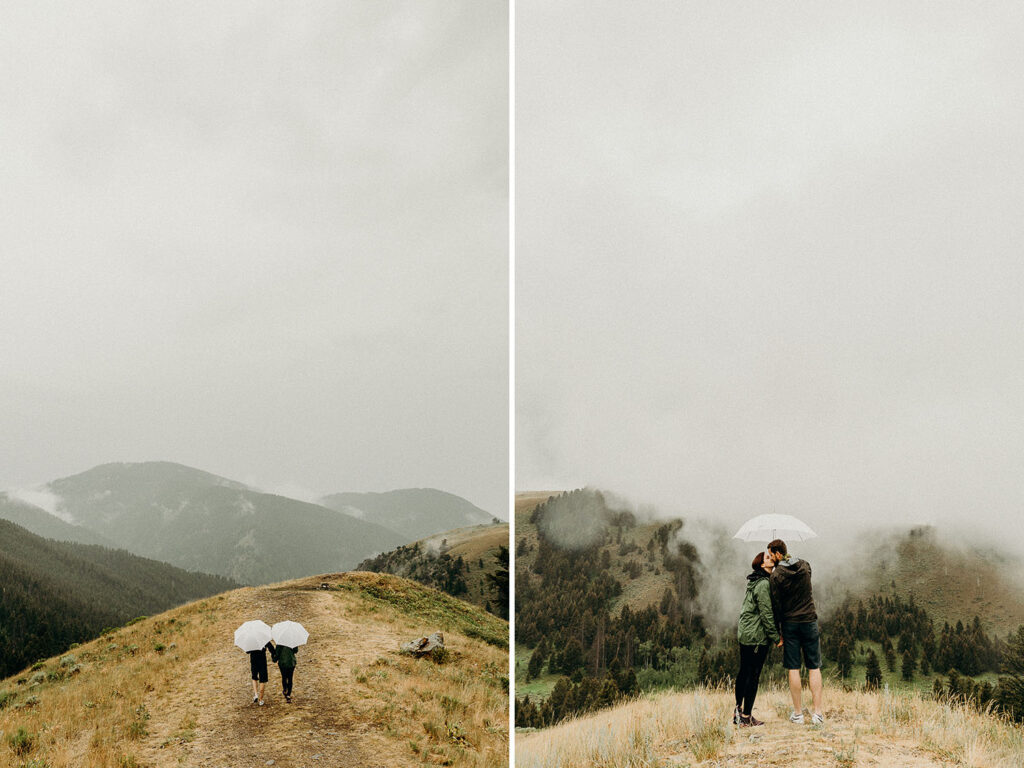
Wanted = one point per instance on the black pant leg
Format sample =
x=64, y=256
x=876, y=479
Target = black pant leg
x=757, y=658
x=286, y=680
x=743, y=676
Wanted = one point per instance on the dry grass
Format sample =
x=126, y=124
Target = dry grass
x=121, y=702
x=449, y=713
x=97, y=714
x=861, y=729
x=634, y=735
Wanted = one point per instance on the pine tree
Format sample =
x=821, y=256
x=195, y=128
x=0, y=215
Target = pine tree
x=1010, y=692
x=536, y=665
x=572, y=658
x=905, y=643
x=844, y=659
x=873, y=677
x=908, y=666
x=953, y=687
x=498, y=582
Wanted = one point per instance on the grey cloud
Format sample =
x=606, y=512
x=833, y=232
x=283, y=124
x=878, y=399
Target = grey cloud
x=769, y=258
x=267, y=240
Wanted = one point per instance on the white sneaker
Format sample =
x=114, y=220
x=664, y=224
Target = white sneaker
x=797, y=717
x=255, y=699
x=818, y=719
x=261, y=704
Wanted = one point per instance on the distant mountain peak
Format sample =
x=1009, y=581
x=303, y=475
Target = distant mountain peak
x=414, y=512
x=153, y=471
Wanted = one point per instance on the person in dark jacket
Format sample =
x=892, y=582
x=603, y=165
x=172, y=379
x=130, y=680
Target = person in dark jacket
x=794, y=610
x=258, y=667
x=285, y=658
x=756, y=632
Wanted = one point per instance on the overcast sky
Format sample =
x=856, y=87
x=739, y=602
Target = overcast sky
x=268, y=240
x=769, y=257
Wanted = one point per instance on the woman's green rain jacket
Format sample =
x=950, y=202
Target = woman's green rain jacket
x=757, y=621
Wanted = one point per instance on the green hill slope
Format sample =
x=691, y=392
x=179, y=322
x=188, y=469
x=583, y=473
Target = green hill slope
x=467, y=563
x=952, y=583
x=42, y=523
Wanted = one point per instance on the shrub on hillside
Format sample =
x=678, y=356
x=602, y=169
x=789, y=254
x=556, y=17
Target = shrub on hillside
x=21, y=741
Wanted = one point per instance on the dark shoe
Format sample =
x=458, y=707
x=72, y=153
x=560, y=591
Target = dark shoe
x=748, y=721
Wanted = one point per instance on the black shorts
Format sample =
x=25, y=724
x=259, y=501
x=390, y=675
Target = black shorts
x=258, y=665
x=800, y=637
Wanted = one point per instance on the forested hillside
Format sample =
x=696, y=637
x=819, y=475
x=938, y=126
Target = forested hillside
x=53, y=594
x=468, y=563
x=42, y=523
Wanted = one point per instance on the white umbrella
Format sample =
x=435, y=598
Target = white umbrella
x=289, y=633
x=769, y=527
x=252, y=635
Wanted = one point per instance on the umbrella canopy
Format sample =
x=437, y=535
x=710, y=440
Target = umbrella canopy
x=768, y=527
x=252, y=635
x=289, y=633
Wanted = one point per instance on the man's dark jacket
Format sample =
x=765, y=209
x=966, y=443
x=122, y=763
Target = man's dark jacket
x=792, y=599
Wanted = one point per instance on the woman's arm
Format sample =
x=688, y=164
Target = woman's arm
x=764, y=609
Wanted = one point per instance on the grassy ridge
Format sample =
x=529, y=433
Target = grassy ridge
x=433, y=606
x=131, y=698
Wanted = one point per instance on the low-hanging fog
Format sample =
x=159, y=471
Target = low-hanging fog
x=844, y=561
x=264, y=240
x=769, y=259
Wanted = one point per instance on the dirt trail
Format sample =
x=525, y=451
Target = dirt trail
x=232, y=732
x=780, y=742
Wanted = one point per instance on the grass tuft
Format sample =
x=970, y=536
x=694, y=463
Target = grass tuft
x=708, y=735
x=21, y=741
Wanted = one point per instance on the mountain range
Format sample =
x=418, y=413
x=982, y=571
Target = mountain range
x=200, y=521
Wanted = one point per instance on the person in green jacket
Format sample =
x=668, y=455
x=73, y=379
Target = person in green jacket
x=285, y=658
x=755, y=632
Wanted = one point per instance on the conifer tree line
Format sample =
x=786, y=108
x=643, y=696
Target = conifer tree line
x=563, y=610
x=438, y=569
x=908, y=639
x=956, y=653
x=414, y=561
